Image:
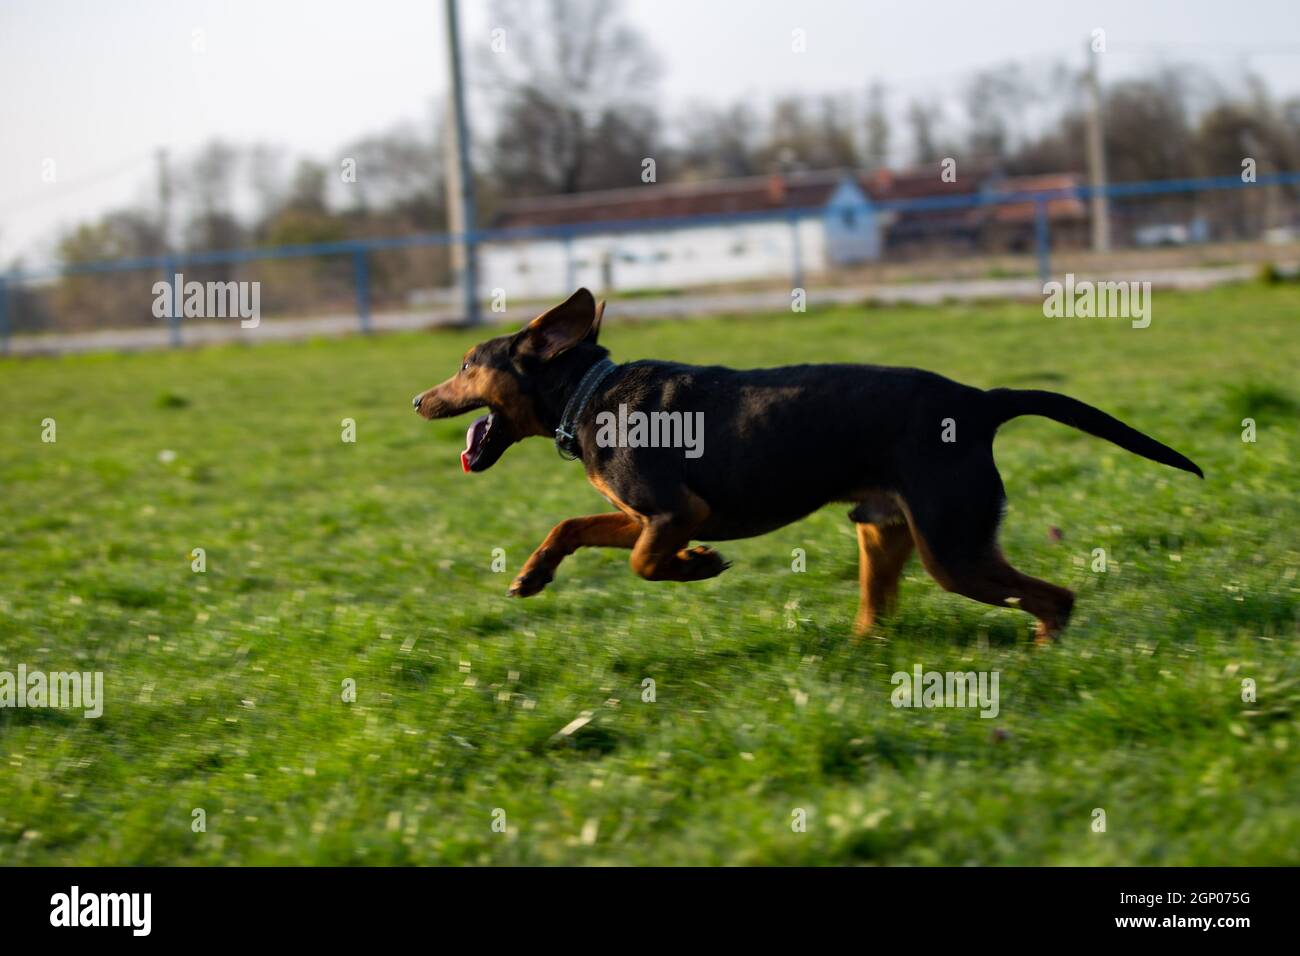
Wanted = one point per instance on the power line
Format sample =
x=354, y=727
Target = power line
x=1061, y=56
x=75, y=185
x=1212, y=49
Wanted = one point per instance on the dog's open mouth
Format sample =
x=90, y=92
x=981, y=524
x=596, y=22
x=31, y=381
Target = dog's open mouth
x=485, y=440
x=475, y=438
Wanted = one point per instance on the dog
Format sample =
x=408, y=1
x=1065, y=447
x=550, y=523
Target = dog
x=910, y=450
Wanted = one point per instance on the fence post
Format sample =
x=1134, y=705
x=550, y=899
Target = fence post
x=361, y=276
x=4, y=315
x=796, y=257
x=173, y=306
x=570, y=270
x=1042, y=240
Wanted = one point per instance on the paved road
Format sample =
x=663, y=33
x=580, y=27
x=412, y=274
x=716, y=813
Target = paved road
x=678, y=306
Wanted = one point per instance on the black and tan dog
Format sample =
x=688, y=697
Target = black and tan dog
x=911, y=450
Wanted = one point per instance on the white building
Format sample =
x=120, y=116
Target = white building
x=679, y=235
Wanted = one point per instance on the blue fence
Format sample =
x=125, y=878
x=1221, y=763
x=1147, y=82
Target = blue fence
x=360, y=249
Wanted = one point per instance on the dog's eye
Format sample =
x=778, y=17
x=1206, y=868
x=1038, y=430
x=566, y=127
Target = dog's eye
x=465, y=367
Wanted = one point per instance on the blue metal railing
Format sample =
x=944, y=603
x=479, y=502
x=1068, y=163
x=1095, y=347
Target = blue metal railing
x=360, y=249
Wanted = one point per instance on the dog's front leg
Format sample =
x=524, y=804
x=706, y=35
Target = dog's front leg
x=615, y=530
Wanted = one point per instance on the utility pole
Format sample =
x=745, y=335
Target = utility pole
x=164, y=201
x=1097, y=156
x=165, y=244
x=460, y=176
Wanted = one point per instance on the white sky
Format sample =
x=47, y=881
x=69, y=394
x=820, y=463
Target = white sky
x=98, y=85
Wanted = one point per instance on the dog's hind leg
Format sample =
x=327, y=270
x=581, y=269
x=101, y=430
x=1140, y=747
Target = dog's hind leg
x=884, y=545
x=954, y=519
x=614, y=530
x=994, y=581
x=661, y=553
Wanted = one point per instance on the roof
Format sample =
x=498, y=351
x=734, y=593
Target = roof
x=888, y=185
x=1060, y=208
x=752, y=194
x=788, y=191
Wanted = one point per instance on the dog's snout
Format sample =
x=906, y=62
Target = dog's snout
x=415, y=403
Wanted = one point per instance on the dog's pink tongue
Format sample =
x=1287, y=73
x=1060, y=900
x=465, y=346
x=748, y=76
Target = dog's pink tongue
x=473, y=439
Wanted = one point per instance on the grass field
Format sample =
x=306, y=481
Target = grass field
x=372, y=561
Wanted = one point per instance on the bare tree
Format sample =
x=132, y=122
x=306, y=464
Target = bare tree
x=210, y=178
x=922, y=118
x=1148, y=133
x=996, y=103
x=208, y=187
x=877, y=127
x=86, y=301
x=809, y=134
x=718, y=142
x=265, y=165
x=573, y=86
x=401, y=168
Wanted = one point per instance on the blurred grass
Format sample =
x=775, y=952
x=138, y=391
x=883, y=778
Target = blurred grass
x=372, y=561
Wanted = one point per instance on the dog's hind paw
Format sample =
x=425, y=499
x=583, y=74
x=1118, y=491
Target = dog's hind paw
x=701, y=562
x=530, y=582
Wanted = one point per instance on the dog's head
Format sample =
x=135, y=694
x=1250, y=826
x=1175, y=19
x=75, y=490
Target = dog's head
x=509, y=376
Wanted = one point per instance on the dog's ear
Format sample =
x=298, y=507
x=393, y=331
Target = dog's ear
x=557, y=330
x=595, y=325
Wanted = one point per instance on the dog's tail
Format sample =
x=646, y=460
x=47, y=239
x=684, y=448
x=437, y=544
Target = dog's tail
x=1008, y=403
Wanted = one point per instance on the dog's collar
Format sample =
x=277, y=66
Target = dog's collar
x=565, y=440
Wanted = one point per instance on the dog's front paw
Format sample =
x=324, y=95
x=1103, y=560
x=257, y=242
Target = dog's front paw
x=701, y=562
x=530, y=582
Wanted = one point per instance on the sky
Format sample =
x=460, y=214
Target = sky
x=92, y=88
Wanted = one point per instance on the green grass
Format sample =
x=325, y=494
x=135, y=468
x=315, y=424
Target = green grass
x=372, y=561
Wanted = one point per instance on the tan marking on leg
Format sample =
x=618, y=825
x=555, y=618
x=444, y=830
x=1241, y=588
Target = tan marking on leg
x=882, y=553
x=660, y=553
x=612, y=497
